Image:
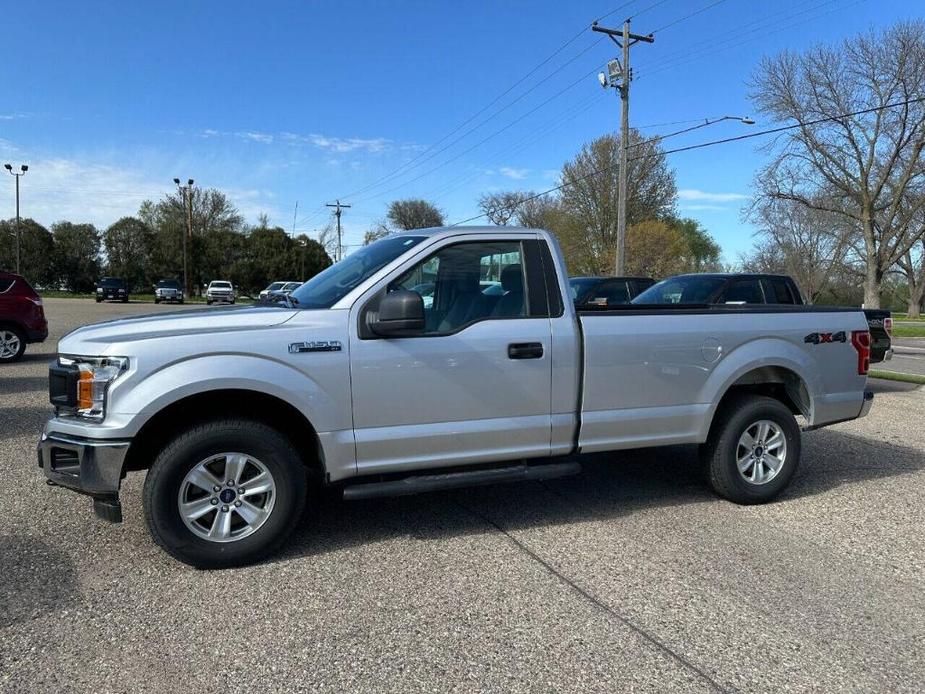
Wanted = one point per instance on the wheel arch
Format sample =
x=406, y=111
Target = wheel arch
x=771, y=367
x=221, y=403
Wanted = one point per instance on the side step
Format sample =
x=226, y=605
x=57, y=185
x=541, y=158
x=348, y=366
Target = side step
x=455, y=480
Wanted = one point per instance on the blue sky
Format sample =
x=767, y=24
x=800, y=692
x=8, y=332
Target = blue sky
x=284, y=102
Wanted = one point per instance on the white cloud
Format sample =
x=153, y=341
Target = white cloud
x=13, y=116
x=57, y=189
x=703, y=208
x=265, y=138
x=350, y=144
x=694, y=194
x=516, y=174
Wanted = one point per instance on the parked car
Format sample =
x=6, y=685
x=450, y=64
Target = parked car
x=747, y=289
x=285, y=290
x=607, y=291
x=371, y=393
x=168, y=290
x=111, y=289
x=273, y=287
x=220, y=290
x=22, y=317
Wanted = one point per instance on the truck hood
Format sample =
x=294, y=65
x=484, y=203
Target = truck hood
x=102, y=338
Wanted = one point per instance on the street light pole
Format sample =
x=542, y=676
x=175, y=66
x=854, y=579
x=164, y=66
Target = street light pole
x=186, y=193
x=22, y=172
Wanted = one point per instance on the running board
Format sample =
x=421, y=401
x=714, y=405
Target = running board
x=455, y=480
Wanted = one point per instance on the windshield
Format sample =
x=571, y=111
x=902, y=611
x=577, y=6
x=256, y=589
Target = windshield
x=168, y=284
x=111, y=282
x=220, y=285
x=331, y=285
x=689, y=289
x=273, y=287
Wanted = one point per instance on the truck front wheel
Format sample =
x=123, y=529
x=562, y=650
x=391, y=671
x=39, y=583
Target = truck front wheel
x=753, y=449
x=224, y=493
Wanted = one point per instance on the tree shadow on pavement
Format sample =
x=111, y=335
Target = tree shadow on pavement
x=610, y=486
x=35, y=579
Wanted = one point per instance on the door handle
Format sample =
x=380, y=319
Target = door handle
x=525, y=350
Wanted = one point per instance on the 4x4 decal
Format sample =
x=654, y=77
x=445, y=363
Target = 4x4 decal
x=820, y=338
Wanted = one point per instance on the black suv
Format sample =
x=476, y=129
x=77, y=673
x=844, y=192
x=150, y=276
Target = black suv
x=606, y=291
x=111, y=289
x=748, y=289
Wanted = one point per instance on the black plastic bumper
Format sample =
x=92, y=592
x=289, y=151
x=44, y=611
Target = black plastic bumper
x=87, y=466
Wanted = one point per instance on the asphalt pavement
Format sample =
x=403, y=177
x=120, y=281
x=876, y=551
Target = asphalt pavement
x=908, y=356
x=629, y=576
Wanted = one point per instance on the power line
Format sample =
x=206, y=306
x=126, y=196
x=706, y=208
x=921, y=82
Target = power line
x=646, y=9
x=487, y=138
x=777, y=21
x=711, y=143
x=689, y=15
x=524, y=78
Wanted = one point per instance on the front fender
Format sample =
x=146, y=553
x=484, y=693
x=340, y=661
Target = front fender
x=762, y=352
x=138, y=399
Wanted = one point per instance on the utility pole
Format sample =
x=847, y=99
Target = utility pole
x=22, y=172
x=620, y=70
x=187, y=193
x=294, y=215
x=338, y=207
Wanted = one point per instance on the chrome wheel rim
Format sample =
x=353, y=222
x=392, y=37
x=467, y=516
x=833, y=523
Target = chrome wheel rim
x=761, y=452
x=226, y=497
x=9, y=344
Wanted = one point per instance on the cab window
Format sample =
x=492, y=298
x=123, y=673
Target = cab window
x=469, y=282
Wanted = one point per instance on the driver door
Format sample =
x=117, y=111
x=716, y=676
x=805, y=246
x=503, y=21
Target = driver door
x=475, y=385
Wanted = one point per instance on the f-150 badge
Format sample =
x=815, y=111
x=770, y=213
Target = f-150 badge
x=316, y=346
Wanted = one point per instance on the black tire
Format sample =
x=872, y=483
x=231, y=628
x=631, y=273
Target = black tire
x=180, y=301
x=719, y=453
x=157, y=301
x=179, y=456
x=209, y=302
x=99, y=301
x=21, y=336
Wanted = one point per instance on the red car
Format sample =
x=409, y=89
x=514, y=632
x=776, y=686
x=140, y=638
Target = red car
x=22, y=319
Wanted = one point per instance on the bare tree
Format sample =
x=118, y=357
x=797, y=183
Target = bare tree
x=379, y=231
x=591, y=195
x=327, y=237
x=501, y=208
x=859, y=168
x=808, y=244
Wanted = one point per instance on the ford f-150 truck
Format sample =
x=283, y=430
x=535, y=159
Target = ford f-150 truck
x=353, y=382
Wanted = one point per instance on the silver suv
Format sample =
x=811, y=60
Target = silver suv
x=220, y=290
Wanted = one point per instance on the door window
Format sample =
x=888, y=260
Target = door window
x=469, y=282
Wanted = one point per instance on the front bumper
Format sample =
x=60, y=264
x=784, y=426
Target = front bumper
x=88, y=466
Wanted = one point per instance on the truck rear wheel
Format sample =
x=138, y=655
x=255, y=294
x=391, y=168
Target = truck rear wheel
x=753, y=449
x=224, y=493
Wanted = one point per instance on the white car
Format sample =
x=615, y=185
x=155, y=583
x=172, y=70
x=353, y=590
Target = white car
x=220, y=290
x=279, y=288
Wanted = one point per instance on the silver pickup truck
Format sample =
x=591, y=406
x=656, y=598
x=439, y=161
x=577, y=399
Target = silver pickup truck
x=355, y=381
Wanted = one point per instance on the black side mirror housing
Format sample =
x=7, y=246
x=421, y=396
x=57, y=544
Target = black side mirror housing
x=401, y=314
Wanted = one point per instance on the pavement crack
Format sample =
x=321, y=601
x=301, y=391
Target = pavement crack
x=597, y=602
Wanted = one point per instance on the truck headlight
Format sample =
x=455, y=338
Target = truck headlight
x=94, y=376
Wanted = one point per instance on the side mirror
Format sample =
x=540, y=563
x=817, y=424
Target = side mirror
x=401, y=314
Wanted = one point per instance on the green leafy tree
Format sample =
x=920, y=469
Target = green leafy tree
x=36, y=251
x=700, y=252
x=414, y=214
x=76, y=255
x=129, y=246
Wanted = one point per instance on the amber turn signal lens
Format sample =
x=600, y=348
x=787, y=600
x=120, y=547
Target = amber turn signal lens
x=85, y=390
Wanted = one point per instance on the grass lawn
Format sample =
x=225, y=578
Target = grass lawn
x=900, y=330
x=896, y=376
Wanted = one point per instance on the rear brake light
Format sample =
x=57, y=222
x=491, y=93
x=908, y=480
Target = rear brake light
x=860, y=340
x=888, y=326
